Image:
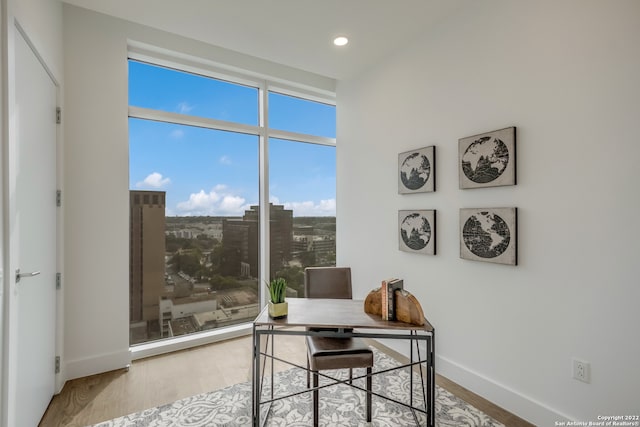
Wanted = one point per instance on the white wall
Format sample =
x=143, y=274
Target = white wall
x=96, y=197
x=42, y=22
x=97, y=177
x=566, y=75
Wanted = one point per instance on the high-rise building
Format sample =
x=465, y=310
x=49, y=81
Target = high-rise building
x=239, y=247
x=240, y=240
x=281, y=229
x=146, y=254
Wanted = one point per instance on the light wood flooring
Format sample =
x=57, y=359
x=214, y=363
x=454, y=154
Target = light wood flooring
x=163, y=379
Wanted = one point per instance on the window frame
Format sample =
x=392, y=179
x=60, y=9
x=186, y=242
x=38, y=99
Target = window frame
x=264, y=84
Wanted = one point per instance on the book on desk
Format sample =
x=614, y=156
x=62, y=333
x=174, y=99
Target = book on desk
x=389, y=288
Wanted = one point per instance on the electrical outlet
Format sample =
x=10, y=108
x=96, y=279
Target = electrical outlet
x=581, y=370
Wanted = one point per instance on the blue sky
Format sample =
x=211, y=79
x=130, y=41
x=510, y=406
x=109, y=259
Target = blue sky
x=209, y=172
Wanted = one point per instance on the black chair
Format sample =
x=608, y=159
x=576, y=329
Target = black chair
x=334, y=353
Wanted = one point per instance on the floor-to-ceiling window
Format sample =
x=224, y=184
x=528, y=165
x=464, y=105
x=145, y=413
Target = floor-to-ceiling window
x=203, y=146
x=302, y=177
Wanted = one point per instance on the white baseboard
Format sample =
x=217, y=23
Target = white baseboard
x=97, y=364
x=121, y=359
x=511, y=400
x=500, y=395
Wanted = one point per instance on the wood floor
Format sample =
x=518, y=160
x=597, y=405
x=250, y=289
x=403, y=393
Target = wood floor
x=163, y=379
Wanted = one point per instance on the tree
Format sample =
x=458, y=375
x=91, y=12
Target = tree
x=308, y=258
x=215, y=257
x=294, y=277
x=219, y=282
x=188, y=263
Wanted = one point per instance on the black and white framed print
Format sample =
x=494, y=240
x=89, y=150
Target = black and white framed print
x=488, y=159
x=417, y=231
x=489, y=235
x=417, y=171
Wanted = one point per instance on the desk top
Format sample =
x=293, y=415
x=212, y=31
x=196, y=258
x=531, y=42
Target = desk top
x=333, y=313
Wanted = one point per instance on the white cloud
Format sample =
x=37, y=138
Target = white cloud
x=232, y=204
x=221, y=201
x=177, y=134
x=218, y=201
x=309, y=208
x=274, y=199
x=154, y=180
x=225, y=160
x=184, y=107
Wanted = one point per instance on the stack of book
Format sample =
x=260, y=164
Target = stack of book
x=388, y=298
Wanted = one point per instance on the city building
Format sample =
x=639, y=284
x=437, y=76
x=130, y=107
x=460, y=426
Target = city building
x=240, y=241
x=201, y=311
x=239, y=248
x=174, y=310
x=146, y=254
x=281, y=233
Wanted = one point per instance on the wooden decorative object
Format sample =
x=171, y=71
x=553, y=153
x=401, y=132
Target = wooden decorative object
x=373, y=302
x=408, y=309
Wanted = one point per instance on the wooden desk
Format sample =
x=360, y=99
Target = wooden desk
x=350, y=320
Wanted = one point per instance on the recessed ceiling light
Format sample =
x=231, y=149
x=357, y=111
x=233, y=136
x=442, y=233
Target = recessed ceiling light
x=340, y=41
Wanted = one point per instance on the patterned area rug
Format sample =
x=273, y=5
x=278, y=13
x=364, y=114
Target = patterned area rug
x=340, y=405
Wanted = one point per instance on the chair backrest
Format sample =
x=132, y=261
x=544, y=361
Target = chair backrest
x=327, y=282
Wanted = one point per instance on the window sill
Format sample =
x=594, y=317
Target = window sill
x=156, y=348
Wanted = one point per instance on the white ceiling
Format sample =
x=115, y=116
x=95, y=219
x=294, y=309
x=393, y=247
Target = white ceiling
x=297, y=33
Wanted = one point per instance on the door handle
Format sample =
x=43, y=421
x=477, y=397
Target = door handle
x=21, y=275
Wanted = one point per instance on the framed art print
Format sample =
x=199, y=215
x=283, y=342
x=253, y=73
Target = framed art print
x=417, y=231
x=417, y=171
x=488, y=159
x=489, y=235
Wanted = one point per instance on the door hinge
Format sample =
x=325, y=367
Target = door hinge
x=58, y=198
x=57, y=364
x=58, y=281
x=58, y=115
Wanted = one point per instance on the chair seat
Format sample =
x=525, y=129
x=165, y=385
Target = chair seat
x=324, y=353
x=338, y=353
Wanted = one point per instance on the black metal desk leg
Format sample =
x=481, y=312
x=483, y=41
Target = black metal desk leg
x=256, y=378
x=369, y=380
x=273, y=340
x=411, y=370
x=431, y=370
x=316, y=408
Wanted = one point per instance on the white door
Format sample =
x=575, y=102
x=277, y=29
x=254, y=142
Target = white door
x=35, y=234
